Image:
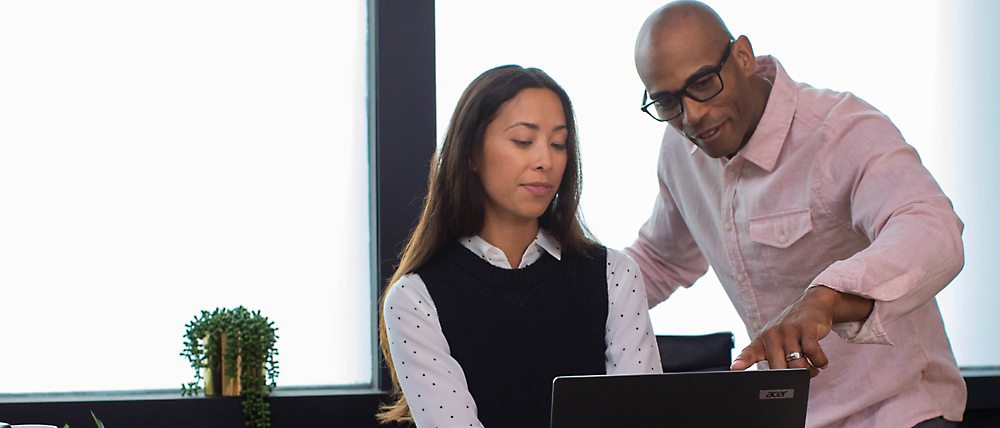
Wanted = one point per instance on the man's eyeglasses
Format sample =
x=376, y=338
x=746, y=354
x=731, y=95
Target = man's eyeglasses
x=700, y=87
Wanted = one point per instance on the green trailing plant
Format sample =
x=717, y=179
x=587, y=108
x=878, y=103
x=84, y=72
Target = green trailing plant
x=250, y=352
x=96, y=421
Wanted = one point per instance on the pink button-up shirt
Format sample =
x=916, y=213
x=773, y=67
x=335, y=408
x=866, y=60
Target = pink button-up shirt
x=825, y=192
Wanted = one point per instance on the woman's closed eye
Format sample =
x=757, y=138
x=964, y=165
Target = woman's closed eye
x=521, y=142
x=558, y=145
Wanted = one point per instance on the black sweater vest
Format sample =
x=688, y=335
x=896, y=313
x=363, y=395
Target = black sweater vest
x=514, y=330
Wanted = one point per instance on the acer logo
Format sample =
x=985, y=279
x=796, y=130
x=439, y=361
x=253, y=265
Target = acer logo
x=772, y=394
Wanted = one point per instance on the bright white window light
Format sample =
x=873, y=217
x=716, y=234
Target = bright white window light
x=927, y=64
x=157, y=159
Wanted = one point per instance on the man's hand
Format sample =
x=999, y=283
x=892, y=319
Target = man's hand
x=791, y=340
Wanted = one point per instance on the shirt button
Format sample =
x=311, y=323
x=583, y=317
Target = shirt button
x=728, y=226
x=741, y=277
x=756, y=325
x=731, y=175
x=782, y=239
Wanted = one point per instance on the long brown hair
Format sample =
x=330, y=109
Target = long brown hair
x=455, y=201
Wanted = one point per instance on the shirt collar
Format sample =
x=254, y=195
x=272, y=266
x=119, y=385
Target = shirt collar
x=489, y=252
x=545, y=240
x=766, y=142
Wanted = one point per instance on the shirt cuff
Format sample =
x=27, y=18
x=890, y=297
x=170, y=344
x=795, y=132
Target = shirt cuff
x=868, y=332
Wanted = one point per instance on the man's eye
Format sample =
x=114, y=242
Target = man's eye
x=666, y=103
x=702, y=83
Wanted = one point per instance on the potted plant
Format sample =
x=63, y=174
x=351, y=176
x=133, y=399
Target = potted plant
x=96, y=421
x=233, y=346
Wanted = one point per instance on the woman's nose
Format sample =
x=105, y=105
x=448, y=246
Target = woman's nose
x=544, y=161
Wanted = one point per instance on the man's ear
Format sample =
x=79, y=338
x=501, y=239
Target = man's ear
x=743, y=53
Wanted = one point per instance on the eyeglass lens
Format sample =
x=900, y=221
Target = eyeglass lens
x=700, y=90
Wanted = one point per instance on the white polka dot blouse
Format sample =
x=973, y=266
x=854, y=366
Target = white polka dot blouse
x=433, y=382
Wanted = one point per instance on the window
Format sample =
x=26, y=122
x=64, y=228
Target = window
x=161, y=159
x=936, y=85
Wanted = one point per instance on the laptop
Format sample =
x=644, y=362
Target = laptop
x=754, y=398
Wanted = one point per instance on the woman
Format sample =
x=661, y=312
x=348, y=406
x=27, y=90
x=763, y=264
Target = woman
x=499, y=288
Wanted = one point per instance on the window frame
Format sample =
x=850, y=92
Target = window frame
x=401, y=129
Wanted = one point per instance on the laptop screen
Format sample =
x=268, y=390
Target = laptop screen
x=755, y=398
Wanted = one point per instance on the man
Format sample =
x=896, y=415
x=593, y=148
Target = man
x=815, y=215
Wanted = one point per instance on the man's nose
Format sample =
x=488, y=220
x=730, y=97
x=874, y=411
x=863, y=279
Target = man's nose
x=693, y=111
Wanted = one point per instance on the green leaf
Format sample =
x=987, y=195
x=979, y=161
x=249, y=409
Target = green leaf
x=97, y=421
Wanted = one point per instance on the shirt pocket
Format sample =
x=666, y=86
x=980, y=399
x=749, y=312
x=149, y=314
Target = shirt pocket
x=781, y=230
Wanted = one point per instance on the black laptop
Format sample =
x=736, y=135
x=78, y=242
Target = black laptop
x=754, y=398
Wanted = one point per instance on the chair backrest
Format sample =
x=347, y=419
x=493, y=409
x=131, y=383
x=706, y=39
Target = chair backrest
x=707, y=352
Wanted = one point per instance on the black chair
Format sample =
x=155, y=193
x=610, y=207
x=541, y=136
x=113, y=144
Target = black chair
x=708, y=352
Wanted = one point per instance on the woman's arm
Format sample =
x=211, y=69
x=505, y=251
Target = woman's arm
x=631, y=345
x=432, y=381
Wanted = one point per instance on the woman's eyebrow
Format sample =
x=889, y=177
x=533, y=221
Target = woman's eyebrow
x=535, y=126
x=527, y=124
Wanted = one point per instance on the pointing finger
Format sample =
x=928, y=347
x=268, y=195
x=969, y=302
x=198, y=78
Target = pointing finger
x=750, y=355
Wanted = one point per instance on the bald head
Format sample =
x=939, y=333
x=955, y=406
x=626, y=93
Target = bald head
x=678, y=30
x=686, y=43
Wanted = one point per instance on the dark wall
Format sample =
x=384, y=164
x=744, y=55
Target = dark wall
x=983, y=407
x=344, y=410
x=211, y=412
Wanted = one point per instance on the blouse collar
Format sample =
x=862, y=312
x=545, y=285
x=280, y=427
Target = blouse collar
x=489, y=252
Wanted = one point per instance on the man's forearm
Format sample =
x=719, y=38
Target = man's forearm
x=843, y=307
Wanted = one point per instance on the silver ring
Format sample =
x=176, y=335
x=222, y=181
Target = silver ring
x=793, y=356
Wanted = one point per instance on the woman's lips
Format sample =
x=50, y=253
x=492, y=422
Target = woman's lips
x=538, y=189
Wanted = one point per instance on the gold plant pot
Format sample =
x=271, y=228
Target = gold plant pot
x=218, y=382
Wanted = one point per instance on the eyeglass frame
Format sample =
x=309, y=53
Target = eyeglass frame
x=717, y=70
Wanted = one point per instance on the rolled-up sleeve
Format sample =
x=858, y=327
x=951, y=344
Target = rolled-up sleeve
x=916, y=237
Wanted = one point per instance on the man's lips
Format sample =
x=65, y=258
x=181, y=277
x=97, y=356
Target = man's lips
x=538, y=188
x=709, y=135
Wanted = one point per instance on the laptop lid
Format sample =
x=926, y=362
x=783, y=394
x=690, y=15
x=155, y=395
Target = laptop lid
x=755, y=398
